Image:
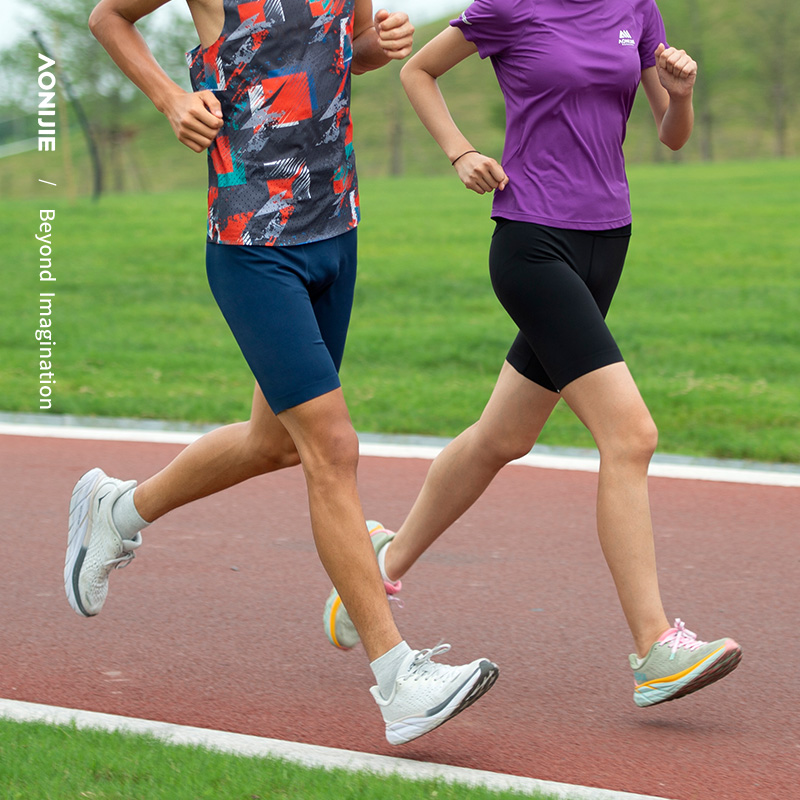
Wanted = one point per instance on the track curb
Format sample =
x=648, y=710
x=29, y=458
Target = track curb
x=305, y=754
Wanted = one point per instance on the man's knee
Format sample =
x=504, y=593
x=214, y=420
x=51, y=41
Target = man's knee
x=268, y=454
x=334, y=452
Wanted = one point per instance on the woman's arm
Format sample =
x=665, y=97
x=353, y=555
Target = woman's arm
x=669, y=86
x=419, y=76
x=196, y=117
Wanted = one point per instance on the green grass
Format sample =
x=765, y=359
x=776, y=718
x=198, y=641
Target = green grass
x=706, y=314
x=42, y=762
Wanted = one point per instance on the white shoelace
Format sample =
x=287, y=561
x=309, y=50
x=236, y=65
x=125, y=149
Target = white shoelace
x=128, y=546
x=422, y=664
x=681, y=637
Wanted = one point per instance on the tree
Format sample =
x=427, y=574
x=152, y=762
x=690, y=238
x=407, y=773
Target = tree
x=771, y=31
x=113, y=105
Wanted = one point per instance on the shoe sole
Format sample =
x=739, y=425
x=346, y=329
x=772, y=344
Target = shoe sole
x=333, y=605
x=719, y=664
x=474, y=688
x=80, y=517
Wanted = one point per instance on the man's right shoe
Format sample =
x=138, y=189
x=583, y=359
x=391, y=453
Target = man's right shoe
x=338, y=626
x=427, y=694
x=94, y=546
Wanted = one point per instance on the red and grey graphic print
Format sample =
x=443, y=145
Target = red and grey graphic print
x=282, y=169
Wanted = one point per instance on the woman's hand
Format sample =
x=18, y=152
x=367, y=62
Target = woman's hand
x=480, y=173
x=677, y=71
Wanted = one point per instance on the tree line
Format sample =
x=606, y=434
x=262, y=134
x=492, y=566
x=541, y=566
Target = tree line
x=746, y=98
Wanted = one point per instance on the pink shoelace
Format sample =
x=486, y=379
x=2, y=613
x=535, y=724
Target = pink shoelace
x=679, y=636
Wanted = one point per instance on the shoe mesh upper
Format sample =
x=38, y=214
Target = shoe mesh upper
x=106, y=549
x=423, y=685
x=678, y=650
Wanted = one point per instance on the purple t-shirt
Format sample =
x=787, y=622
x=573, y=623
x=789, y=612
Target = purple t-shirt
x=568, y=70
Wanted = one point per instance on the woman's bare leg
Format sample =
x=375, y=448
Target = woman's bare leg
x=608, y=402
x=507, y=429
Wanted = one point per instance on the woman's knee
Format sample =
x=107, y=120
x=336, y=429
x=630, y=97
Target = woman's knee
x=636, y=440
x=499, y=447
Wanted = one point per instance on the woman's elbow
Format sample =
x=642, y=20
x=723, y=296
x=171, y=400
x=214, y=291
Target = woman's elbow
x=405, y=73
x=674, y=143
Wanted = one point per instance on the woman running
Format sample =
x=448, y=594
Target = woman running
x=569, y=71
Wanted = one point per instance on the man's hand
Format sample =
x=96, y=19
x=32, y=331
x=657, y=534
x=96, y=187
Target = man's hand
x=196, y=118
x=481, y=173
x=676, y=71
x=395, y=33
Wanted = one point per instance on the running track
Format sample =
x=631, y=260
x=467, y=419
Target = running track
x=217, y=623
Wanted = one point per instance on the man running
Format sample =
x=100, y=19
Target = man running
x=271, y=103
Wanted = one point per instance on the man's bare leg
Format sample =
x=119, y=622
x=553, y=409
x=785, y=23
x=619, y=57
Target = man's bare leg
x=328, y=448
x=319, y=434
x=219, y=459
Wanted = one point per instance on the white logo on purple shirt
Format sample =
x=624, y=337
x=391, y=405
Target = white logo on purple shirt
x=626, y=39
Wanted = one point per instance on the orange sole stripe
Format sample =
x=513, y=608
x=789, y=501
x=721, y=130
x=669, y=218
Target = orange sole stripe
x=678, y=675
x=334, y=608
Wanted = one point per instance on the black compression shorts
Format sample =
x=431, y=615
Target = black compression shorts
x=557, y=286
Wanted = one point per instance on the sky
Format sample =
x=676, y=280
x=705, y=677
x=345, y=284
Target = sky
x=15, y=16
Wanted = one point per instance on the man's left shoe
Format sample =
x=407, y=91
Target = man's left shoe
x=94, y=545
x=679, y=664
x=339, y=627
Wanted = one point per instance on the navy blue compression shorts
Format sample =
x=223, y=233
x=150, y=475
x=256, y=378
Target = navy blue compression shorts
x=557, y=285
x=288, y=308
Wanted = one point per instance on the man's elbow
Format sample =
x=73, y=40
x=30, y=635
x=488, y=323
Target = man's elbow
x=101, y=15
x=96, y=19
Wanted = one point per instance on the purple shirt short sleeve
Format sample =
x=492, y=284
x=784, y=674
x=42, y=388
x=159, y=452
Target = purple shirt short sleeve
x=653, y=34
x=493, y=25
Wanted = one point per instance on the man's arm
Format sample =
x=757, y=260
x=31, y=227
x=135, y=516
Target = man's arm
x=195, y=117
x=377, y=41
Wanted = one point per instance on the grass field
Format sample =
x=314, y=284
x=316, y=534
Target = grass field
x=706, y=314
x=123, y=766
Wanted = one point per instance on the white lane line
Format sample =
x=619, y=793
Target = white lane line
x=576, y=463
x=306, y=754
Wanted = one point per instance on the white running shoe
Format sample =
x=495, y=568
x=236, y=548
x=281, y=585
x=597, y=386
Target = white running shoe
x=94, y=546
x=427, y=694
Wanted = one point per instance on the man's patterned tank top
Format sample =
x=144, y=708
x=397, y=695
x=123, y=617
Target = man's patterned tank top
x=282, y=169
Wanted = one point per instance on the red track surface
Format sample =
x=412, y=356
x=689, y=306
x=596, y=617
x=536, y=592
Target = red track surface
x=217, y=623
